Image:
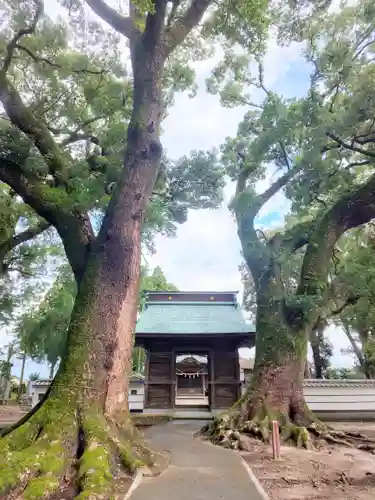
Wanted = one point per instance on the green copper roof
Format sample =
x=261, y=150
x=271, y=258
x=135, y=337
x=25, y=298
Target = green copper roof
x=192, y=318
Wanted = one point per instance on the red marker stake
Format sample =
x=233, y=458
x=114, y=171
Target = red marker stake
x=275, y=440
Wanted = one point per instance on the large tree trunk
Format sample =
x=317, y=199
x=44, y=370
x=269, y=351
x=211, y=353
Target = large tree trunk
x=276, y=389
x=85, y=415
x=51, y=370
x=316, y=342
x=359, y=353
x=362, y=354
x=20, y=391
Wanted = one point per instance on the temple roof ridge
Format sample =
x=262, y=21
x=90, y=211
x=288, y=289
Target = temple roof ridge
x=189, y=313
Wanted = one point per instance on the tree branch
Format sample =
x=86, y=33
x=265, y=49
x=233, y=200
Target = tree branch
x=357, y=351
x=349, y=300
x=357, y=164
x=274, y=188
x=60, y=131
x=181, y=28
x=368, y=140
x=285, y=155
x=154, y=26
x=22, y=271
x=22, y=117
x=255, y=253
x=121, y=24
x=12, y=242
x=74, y=227
x=80, y=136
x=351, y=147
x=348, y=212
x=27, y=235
x=241, y=181
x=172, y=13
x=294, y=238
x=44, y=60
x=20, y=34
x=261, y=79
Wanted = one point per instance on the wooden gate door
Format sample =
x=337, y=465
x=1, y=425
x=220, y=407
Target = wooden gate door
x=225, y=374
x=160, y=377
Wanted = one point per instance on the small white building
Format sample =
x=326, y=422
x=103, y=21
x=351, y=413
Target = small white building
x=36, y=389
x=136, y=392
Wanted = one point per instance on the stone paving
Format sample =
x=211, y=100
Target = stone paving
x=198, y=470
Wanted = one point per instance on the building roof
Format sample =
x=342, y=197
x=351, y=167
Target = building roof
x=41, y=382
x=310, y=382
x=192, y=313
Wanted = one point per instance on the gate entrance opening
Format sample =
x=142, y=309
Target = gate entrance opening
x=192, y=380
x=192, y=340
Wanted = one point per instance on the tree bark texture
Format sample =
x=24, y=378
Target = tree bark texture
x=316, y=342
x=316, y=357
x=89, y=395
x=276, y=388
x=24, y=356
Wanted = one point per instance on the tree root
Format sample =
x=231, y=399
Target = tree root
x=232, y=431
x=38, y=458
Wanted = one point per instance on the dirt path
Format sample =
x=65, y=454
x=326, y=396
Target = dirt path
x=198, y=470
x=337, y=473
x=9, y=415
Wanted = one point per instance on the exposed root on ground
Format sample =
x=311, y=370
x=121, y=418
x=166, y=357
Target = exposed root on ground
x=232, y=430
x=60, y=447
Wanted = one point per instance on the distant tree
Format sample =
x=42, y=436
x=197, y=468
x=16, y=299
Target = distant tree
x=34, y=376
x=42, y=332
x=343, y=373
x=355, y=269
x=27, y=246
x=6, y=370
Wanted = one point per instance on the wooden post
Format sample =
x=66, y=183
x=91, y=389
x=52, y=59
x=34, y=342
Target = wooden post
x=275, y=440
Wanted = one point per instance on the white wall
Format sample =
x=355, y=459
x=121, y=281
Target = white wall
x=136, y=395
x=332, y=396
x=340, y=395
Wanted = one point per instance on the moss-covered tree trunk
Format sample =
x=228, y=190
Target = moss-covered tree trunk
x=277, y=384
x=285, y=319
x=276, y=390
x=84, y=422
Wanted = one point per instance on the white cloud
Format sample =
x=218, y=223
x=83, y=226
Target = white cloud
x=208, y=242
x=205, y=253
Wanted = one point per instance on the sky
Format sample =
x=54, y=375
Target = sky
x=205, y=253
